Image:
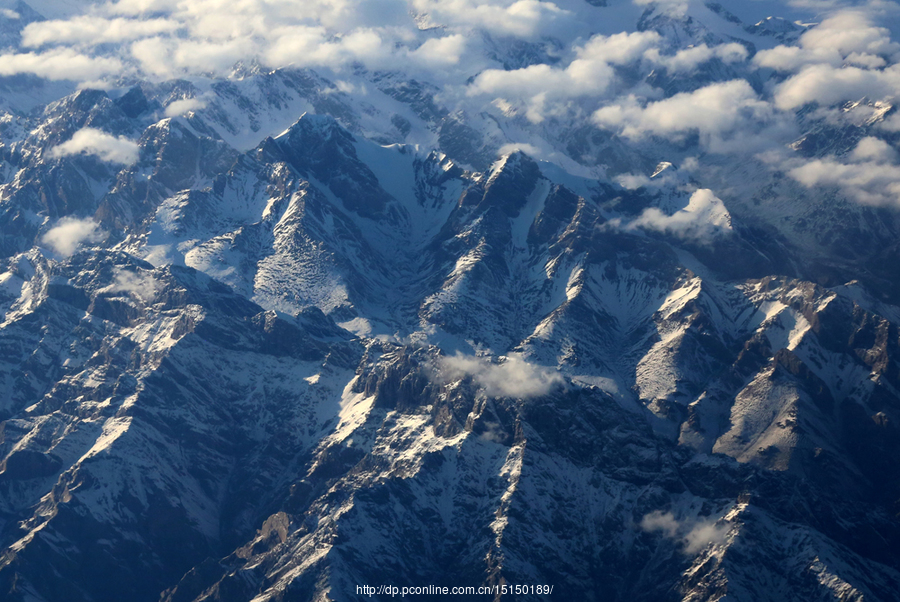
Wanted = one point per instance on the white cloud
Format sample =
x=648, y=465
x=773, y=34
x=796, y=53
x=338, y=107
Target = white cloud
x=114, y=149
x=9, y=14
x=589, y=74
x=618, y=49
x=514, y=377
x=440, y=52
x=59, y=64
x=528, y=149
x=673, y=7
x=850, y=32
x=704, y=217
x=687, y=60
x=69, y=233
x=873, y=149
x=710, y=111
x=306, y=46
x=140, y=283
x=694, y=534
x=93, y=29
x=846, y=57
x=846, y=38
x=870, y=176
x=185, y=105
x=522, y=18
x=827, y=85
x=166, y=57
x=891, y=124
x=792, y=58
x=160, y=255
x=631, y=181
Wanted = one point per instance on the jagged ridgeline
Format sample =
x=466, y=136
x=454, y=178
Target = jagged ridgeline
x=275, y=347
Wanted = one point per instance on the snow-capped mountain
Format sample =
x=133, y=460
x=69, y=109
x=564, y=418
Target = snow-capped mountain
x=608, y=303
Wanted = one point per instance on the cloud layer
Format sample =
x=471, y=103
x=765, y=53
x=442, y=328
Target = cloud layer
x=561, y=70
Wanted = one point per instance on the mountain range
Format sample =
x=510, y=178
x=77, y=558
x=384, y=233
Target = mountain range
x=609, y=304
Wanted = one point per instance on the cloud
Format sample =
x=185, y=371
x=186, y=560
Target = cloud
x=305, y=46
x=827, y=85
x=873, y=149
x=710, y=111
x=440, y=52
x=522, y=18
x=694, y=534
x=704, y=217
x=528, y=149
x=870, y=175
x=850, y=32
x=185, y=105
x=114, y=149
x=687, y=60
x=141, y=284
x=59, y=64
x=166, y=57
x=93, y=29
x=846, y=57
x=847, y=37
x=9, y=14
x=70, y=232
x=630, y=181
x=514, y=377
x=589, y=74
x=672, y=7
x=618, y=49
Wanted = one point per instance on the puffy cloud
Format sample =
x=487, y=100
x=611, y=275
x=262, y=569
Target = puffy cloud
x=850, y=32
x=711, y=111
x=870, y=176
x=847, y=37
x=69, y=233
x=528, y=149
x=791, y=58
x=114, y=149
x=9, y=14
x=873, y=149
x=514, y=377
x=522, y=18
x=141, y=284
x=845, y=57
x=687, y=60
x=59, y=64
x=180, y=107
x=704, y=217
x=827, y=85
x=891, y=124
x=93, y=29
x=589, y=74
x=672, y=7
x=630, y=181
x=618, y=49
x=305, y=46
x=166, y=56
x=440, y=52
x=694, y=534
